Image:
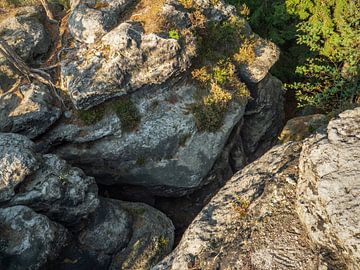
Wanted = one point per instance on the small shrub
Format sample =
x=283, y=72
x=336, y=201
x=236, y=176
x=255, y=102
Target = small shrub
x=92, y=115
x=127, y=112
x=246, y=53
x=174, y=34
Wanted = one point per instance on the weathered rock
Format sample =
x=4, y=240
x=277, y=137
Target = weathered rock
x=263, y=118
x=31, y=114
x=17, y=161
x=61, y=192
x=301, y=127
x=329, y=191
x=126, y=60
x=25, y=32
x=91, y=19
x=267, y=54
x=152, y=238
x=165, y=150
x=108, y=232
x=251, y=223
x=27, y=239
x=120, y=235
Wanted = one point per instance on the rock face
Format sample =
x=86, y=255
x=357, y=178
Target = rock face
x=294, y=208
x=301, y=127
x=63, y=193
x=70, y=219
x=26, y=33
x=31, y=114
x=329, y=191
x=126, y=60
x=91, y=19
x=17, y=161
x=28, y=239
x=243, y=226
x=166, y=149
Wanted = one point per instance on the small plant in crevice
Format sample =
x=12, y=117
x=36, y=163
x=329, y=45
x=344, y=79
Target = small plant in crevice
x=174, y=34
x=92, y=115
x=127, y=112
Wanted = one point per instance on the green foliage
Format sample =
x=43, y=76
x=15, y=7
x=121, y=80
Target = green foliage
x=330, y=29
x=174, y=34
x=127, y=112
x=92, y=115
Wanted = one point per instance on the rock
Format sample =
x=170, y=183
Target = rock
x=166, y=149
x=120, y=235
x=91, y=19
x=152, y=238
x=26, y=33
x=251, y=223
x=301, y=127
x=31, y=114
x=126, y=60
x=267, y=54
x=329, y=191
x=263, y=118
x=17, y=161
x=107, y=233
x=61, y=192
x=27, y=239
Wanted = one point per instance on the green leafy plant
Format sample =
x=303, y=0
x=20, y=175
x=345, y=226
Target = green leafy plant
x=174, y=34
x=127, y=113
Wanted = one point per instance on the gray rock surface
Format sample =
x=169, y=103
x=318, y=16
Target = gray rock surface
x=165, y=150
x=27, y=239
x=91, y=19
x=152, y=238
x=63, y=193
x=263, y=118
x=329, y=191
x=267, y=54
x=251, y=223
x=25, y=32
x=17, y=161
x=30, y=112
x=125, y=60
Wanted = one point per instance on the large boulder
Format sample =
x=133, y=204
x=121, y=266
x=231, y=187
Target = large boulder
x=30, y=112
x=25, y=32
x=45, y=183
x=125, y=60
x=120, y=235
x=17, y=161
x=166, y=149
x=329, y=191
x=63, y=193
x=27, y=239
x=251, y=223
x=91, y=19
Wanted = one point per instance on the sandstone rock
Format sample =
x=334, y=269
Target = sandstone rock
x=17, y=161
x=120, y=235
x=263, y=118
x=107, y=233
x=301, y=127
x=166, y=149
x=152, y=238
x=126, y=60
x=27, y=239
x=267, y=54
x=329, y=191
x=61, y=192
x=91, y=19
x=31, y=114
x=251, y=223
x=25, y=32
